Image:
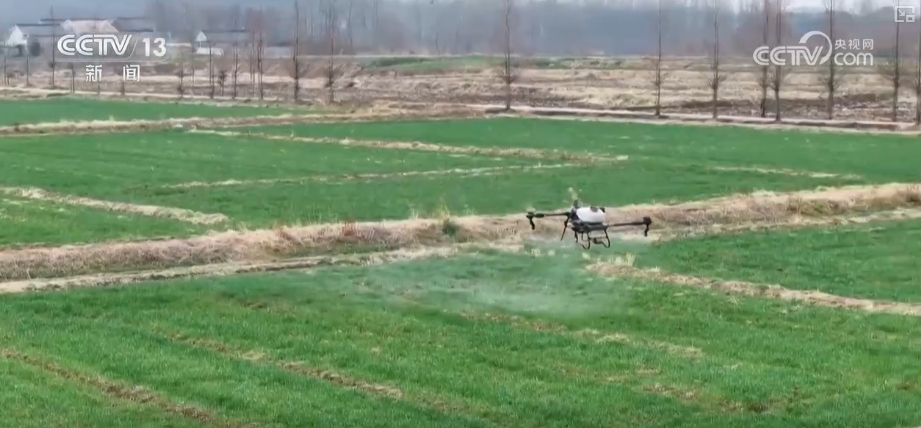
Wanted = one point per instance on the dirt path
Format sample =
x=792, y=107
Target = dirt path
x=760, y=290
x=180, y=214
x=468, y=172
x=764, y=209
x=415, y=145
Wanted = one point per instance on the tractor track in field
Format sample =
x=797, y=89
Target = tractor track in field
x=341, y=379
x=772, y=291
x=559, y=155
x=121, y=391
x=739, y=212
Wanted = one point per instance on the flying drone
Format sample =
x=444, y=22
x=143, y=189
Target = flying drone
x=584, y=221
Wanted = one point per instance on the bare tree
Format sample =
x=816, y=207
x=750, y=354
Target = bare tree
x=260, y=54
x=222, y=79
x=331, y=27
x=28, y=66
x=189, y=27
x=73, y=79
x=297, y=69
x=180, y=73
x=6, y=74
x=53, y=63
x=917, y=85
x=252, y=62
x=892, y=71
x=123, y=83
x=211, y=70
x=716, y=79
x=658, y=77
x=779, y=74
x=830, y=80
x=235, y=70
x=764, y=81
x=348, y=23
x=509, y=68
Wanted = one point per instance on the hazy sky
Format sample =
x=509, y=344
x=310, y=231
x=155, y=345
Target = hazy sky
x=30, y=11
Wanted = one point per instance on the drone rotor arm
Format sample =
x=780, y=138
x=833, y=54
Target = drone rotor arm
x=532, y=215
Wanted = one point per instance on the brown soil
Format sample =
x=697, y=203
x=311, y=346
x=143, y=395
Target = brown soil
x=146, y=210
x=761, y=290
x=281, y=243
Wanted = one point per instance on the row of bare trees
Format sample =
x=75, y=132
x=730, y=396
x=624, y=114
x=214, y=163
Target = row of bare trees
x=772, y=77
x=550, y=27
x=298, y=69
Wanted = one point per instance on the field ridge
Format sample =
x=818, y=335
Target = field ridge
x=774, y=291
x=272, y=244
x=180, y=214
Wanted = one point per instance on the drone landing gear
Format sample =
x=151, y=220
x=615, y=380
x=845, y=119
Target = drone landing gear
x=582, y=234
x=588, y=240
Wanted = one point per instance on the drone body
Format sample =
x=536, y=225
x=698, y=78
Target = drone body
x=587, y=222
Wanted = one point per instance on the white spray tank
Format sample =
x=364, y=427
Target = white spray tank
x=589, y=214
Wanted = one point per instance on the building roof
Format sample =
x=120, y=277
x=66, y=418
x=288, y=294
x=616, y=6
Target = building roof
x=133, y=25
x=228, y=37
x=41, y=30
x=89, y=26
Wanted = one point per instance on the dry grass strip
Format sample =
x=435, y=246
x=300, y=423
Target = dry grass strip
x=559, y=155
x=146, y=210
x=773, y=291
x=794, y=221
x=463, y=172
x=135, y=394
x=224, y=269
x=113, y=125
x=771, y=207
x=764, y=208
